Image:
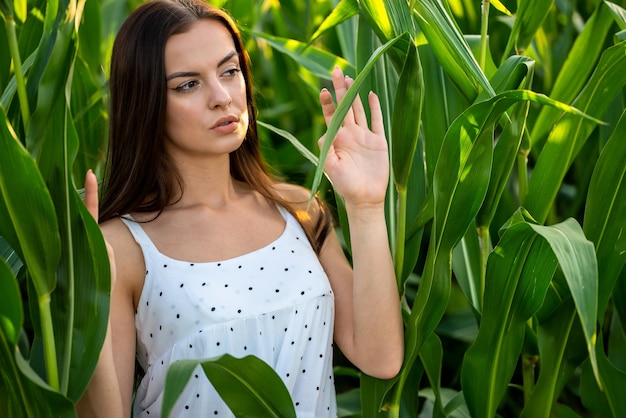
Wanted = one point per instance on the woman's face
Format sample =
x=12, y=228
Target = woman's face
x=207, y=113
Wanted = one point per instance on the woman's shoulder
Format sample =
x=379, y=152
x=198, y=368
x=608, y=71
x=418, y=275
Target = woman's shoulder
x=300, y=198
x=293, y=193
x=129, y=261
x=311, y=211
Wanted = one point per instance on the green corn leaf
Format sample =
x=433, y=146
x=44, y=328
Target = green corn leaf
x=529, y=17
x=619, y=13
x=459, y=186
x=406, y=118
x=561, y=352
x=28, y=219
x=450, y=47
x=244, y=12
x=22, y=392
x=605, y=212
x=570, y=134
x=399, y=12
x=317, y=61
x=500, y=7
x=302, y=149
x=11, y=314
x=509, y=76
x=489, y=363
x=609, y=399
x=386, y=19
x=10, y=256
x=473, y=123
x=52, y=79
x=90, y=120
x=580, y=62
x=249, y=386
x=404, y=139
x=416, y=208
x=11, y=87
x=342, y=12
x=519, y=272
x=81, y=304
x=441, y=110
x=373, y=392
x=378, y=18
x=342, y=110
x=431, y=356
x=20, y=9
x=466, y=265
x=90, y=37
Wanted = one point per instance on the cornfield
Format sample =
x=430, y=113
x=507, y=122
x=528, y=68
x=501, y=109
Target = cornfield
x=506, y=208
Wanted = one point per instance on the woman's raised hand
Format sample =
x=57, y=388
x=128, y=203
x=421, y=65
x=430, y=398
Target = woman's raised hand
x=91, y=194
x=358, y=160
x=91, y=201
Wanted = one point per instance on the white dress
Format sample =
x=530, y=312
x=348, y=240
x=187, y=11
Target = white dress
x=275, y=303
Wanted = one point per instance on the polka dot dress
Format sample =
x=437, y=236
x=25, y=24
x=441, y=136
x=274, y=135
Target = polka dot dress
x=275, y=303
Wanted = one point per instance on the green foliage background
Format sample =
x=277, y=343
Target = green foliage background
x=506, y=209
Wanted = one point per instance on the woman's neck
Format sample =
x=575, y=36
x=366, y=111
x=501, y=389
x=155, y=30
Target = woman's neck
x=210, y=185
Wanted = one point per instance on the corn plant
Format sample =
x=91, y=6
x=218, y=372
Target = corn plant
x=54, y=280
x=483, y=157
x=506, y=208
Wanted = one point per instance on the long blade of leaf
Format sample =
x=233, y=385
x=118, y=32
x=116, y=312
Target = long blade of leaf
x=555, y=335
x=489, y=363
x=248, y=385
x=407, y=117
x=342, y=12
x=605, y=212
x=450, y=47
x=580, y=62
x=23, y=394
x=317, y=61
x=570, y=134
x=302, y=149
x=529, y=16
x=608, y=399
x=342, y=110
x=30, y=216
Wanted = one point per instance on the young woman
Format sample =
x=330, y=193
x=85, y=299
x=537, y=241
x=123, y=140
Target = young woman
x=210, y=255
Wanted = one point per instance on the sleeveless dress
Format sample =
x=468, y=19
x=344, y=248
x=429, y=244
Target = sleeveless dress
x=275, y=303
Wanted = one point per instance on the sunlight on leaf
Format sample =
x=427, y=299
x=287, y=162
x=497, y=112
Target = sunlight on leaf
x=501, y=7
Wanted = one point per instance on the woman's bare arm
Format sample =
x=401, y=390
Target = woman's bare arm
x=109, y=393
x=368, y=321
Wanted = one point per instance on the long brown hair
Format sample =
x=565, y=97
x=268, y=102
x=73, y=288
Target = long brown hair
x=139, y=173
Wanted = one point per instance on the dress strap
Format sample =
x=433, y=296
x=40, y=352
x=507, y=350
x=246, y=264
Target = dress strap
x=284, y=212
x=138, y=233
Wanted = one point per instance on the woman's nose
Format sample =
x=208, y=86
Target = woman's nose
x=219, y=95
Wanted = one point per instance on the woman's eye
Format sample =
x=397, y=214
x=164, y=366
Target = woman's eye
x=232, y=72
x=187, y=86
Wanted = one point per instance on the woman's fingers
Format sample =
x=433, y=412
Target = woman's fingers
x=91, y=194
x=378, y=126
x=357, y=106
x=341, y=84
x=328, y=107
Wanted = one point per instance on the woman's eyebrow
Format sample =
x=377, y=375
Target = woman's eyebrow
x=178, y=74
x=224, y=60
x=182, y=74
